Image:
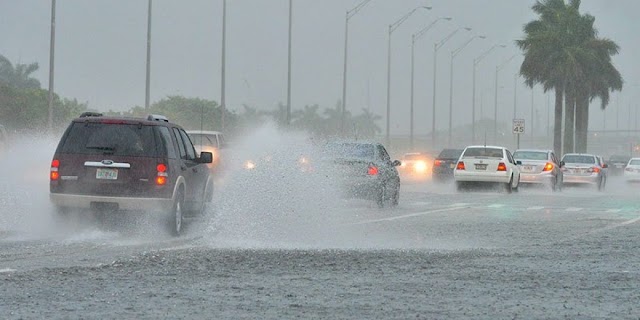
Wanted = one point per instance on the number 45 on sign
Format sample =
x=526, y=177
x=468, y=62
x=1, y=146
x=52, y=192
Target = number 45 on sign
x=518, y=126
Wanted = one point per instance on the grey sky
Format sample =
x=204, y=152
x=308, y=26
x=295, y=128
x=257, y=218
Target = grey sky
x=100, y=53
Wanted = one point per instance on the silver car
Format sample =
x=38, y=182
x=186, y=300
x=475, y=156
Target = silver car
x=583, y=168
x=540, y=167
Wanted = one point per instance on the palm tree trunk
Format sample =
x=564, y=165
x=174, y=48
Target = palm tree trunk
x=557, y=122
x=582, y=122
x=569, y=123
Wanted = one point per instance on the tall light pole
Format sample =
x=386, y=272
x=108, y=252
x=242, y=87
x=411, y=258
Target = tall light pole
x=288, y=120
x=476, y=61
x=223, y=65
x=454, y=53
x=51, y=55
x=392, y=28
x=436, y=47
x=415, y=37
x=495, y=96
x=148, y=77
x=349, y=15
x=533, y=121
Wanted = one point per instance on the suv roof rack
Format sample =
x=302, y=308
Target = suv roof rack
x=90, y=114
x=157, y=117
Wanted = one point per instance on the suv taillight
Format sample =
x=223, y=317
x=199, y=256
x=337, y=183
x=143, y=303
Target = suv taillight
x=54, y=175
x=502, y=166
x=373, y=170
x=161, y=177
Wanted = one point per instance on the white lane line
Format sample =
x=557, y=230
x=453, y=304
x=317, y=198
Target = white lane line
x=496, y=205
x=573, y=209
x=411, y=215
x=535, y=208
x=460, y=204
x=420, y=203
x=613, y=210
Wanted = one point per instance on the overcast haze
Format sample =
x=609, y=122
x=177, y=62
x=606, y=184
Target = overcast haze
x=101, y=47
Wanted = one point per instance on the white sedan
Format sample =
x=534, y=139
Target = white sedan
x=487, y=164
x=632, y=170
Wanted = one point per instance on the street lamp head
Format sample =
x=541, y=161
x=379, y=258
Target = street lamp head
x=468, y=29
x=502, y=46
x=447, y=18
x=426, y=7
x=482, y=37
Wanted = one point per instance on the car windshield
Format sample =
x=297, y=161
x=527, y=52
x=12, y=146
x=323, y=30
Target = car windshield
x=450, y=154
x=479, y=152
x=414, y=157
x=582, y=159
x=203, y=140
x=530, y=155
x=352, y=150
x=635, y=162
x=110, y=139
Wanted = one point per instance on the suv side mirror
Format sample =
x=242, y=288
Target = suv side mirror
x=396, y=163
x=205, y=157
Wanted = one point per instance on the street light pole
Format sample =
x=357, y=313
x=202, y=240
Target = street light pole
x=436, y=47
x=393, y=27
x=495, y=101
x=223, y=65
x=473, y=95
x=288, y=120
x=454, y=53
x=348, y=17
x=415, y=37
x=148, y=77
x=51, y=63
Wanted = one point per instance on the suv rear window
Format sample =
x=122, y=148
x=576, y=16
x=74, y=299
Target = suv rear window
x=112, y=139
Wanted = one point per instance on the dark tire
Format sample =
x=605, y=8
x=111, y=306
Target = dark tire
x=517, y=188
x=508, y=186
x=395, y=200
x=381, y=198
x=175, y=218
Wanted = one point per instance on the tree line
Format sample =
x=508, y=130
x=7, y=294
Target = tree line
x=24, y=107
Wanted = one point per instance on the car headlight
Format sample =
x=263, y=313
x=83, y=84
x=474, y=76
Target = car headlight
x=420, y=166
x=249, y=165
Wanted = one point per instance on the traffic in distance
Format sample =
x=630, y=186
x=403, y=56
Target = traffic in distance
x=106, y=164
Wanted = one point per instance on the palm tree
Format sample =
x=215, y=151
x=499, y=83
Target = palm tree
x=562, y=52
x=18, y=76
x=365, y=124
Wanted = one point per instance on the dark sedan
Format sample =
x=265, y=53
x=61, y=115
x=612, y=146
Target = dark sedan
x=366, y=171
x=444, y=164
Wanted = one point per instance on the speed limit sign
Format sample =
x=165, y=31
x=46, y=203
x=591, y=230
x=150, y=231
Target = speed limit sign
x=518, y=126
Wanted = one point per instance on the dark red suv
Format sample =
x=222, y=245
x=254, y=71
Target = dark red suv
x=117, y=163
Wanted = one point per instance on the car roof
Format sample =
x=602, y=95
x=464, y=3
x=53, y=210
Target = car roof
x=495, y=147
x=203, y=132
x=125, y=120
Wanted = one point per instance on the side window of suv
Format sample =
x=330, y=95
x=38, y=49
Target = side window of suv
x=383, y=154
x=183, y=151
x=165, y=137
x=188, y=145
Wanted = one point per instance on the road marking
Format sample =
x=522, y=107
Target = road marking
x=573, y=209
x=420, y=203
x=460, y=204
x=535, y=208
x=607, y=228
x=411, y=215
x=496, y=205
x=613, y=210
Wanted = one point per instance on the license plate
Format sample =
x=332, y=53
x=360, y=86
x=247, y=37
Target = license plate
x=527, y=168
x=481, y=167
x=107, y=174
x=451, y=166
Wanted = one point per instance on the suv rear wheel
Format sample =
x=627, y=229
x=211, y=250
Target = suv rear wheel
x=175, y=218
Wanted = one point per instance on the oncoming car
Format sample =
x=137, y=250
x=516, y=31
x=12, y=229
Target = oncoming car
x=415, y=165
x=540, y=167
x=209, y=141
x=108, y=164
x=487, y=164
